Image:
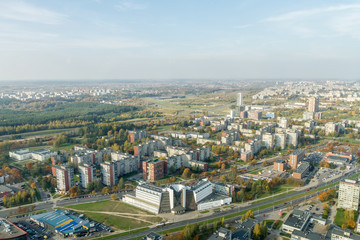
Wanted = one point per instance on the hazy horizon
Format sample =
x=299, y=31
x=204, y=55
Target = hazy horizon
x=162, y=40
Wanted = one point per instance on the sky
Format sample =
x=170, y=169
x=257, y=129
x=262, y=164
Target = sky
x=179, y=39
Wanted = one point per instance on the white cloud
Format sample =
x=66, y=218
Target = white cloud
x=325, y=22
x=21, y=11
x=130, y=5
x=310, y=12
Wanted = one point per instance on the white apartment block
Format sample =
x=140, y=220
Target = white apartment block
x=108, y=172
x=87, y=174
x=64, y=178
x=125, y=163
x=349, y=192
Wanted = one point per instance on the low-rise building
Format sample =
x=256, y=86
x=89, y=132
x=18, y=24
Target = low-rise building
x=10, y=231
x=244, y=230
x=297, y=220
x=280, y=165
x=301, y=171
x=221, y=234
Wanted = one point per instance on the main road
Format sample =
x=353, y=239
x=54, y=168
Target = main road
x=254, y=206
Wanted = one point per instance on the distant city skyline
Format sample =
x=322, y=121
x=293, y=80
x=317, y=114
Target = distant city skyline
x=138, y=39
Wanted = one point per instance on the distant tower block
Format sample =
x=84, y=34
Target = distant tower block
x=313, y=104
x=239, y=101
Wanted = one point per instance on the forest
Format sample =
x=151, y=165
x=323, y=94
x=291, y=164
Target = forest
x=85, y=111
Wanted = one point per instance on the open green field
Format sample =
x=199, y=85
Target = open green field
x=108, y=206
x=116, y=214
x=40, y=133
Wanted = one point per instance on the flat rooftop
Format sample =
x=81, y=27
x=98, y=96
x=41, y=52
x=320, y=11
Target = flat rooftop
x=297, y=151
x=12, y=232
x=151, y=187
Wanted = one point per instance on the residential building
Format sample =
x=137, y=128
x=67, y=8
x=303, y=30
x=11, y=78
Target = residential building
x=64, y=178
x=283, y=123
x=280, y=140
x=125, y=163
x=87, y=174
x=268, y=140
x=137, y=135
x=255, y=115
x=349, y=193
x=153, y=169
x=296, y=157
x=239, y=100
x=313, y=104
x=108, y=173
x=280, y=165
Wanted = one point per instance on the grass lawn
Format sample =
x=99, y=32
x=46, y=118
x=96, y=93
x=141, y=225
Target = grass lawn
x=255, y=171
x=67, y=146
x=340, y=217
x=205, y=211
x=117, y=222
x=109, y=206
x=277, y=190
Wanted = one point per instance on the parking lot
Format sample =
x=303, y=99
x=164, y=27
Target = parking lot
x=34, y=231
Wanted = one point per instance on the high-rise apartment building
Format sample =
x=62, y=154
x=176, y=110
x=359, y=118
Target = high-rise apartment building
x=296, y=157
x=64, y=178
x=87, y=174
x=239, y=100
x=108, y=172
x=153, y=169
x=349, y=192
x=313, y=104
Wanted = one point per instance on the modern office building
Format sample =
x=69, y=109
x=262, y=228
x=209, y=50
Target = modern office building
x=108, y=173
x=178, y=198
x=87, y=174
x=349, y=192
x=64, y=178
